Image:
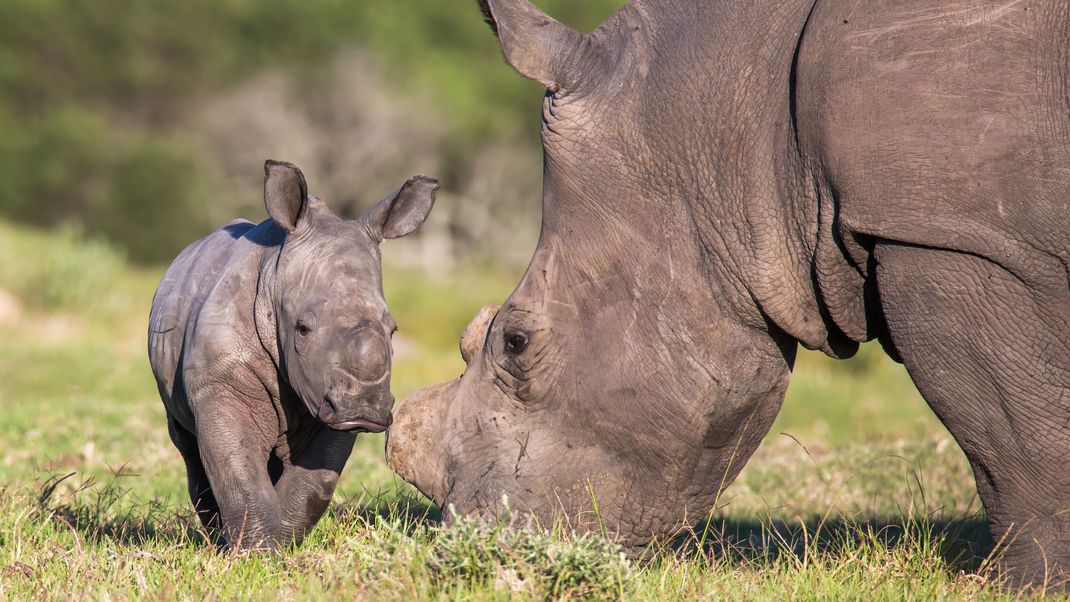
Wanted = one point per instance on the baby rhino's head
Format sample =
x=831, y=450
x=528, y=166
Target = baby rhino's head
x=332, y=322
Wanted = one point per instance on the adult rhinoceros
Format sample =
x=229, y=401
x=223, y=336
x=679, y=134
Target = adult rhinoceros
x=726, y=180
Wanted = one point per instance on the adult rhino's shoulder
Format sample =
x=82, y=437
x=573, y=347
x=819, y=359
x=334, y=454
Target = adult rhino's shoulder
x=938, y=132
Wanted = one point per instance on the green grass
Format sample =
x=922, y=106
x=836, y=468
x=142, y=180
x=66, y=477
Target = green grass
x=857, y=493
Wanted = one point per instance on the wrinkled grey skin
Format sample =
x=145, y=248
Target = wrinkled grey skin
x=726, y=180
x=270, y=345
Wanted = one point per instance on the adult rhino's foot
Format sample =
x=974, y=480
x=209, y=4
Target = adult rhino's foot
x=1035, y=555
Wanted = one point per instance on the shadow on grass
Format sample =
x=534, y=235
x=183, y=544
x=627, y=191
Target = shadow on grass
x=106, y=512
x=407, y=510
x=407, y=507
x=964, y=544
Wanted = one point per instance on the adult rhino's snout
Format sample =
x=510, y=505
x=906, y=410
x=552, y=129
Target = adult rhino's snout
x=415, y=441
x=476, y=332
x=414, y=437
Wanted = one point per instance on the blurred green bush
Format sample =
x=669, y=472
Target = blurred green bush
x=58, y=271
x=94, y=96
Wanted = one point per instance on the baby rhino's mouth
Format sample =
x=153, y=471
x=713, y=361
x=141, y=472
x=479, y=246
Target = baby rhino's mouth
x=328, y=414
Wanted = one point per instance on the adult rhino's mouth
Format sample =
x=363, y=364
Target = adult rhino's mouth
x=360, y=426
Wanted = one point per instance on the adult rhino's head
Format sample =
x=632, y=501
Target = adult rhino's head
x=626, y=379
x=326, y=307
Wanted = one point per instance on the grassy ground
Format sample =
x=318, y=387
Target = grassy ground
x=858, y=492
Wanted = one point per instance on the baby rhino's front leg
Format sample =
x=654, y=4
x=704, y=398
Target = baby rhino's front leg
x=236, y=461
x=308, y=481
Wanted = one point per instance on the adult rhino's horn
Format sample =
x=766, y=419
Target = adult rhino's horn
x=476, y=332
x=541, y=48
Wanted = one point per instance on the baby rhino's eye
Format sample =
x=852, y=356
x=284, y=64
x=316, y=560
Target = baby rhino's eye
x=516, y=342
x=303, y=329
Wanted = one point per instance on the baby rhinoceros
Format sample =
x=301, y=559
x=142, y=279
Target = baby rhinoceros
x=270, y=345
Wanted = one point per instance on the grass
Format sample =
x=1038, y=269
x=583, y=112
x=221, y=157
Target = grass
x=857, y=493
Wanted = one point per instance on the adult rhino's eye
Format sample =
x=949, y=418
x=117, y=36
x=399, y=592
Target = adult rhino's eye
x=303, y=330
x=516, y=342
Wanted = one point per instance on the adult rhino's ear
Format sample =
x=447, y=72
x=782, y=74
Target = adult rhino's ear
x=541, y=48
x=285, y=193
x=401, y=212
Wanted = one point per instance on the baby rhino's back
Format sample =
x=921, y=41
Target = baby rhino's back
x=182, y=291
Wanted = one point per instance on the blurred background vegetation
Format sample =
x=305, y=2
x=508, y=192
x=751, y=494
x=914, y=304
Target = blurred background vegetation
x=145, y=123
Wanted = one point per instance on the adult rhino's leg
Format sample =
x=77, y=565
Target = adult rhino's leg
x=991, y=355
x=200, y=490
x=235, y=453
x=308, y=481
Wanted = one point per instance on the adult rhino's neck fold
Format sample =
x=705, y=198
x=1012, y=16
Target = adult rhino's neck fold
x=790, y=254
x=838, y=264
x=749, y=191
x=794, y=241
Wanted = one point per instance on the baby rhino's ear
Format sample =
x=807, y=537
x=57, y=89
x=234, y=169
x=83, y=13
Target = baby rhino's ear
x=285, y=193
x=402, y=212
